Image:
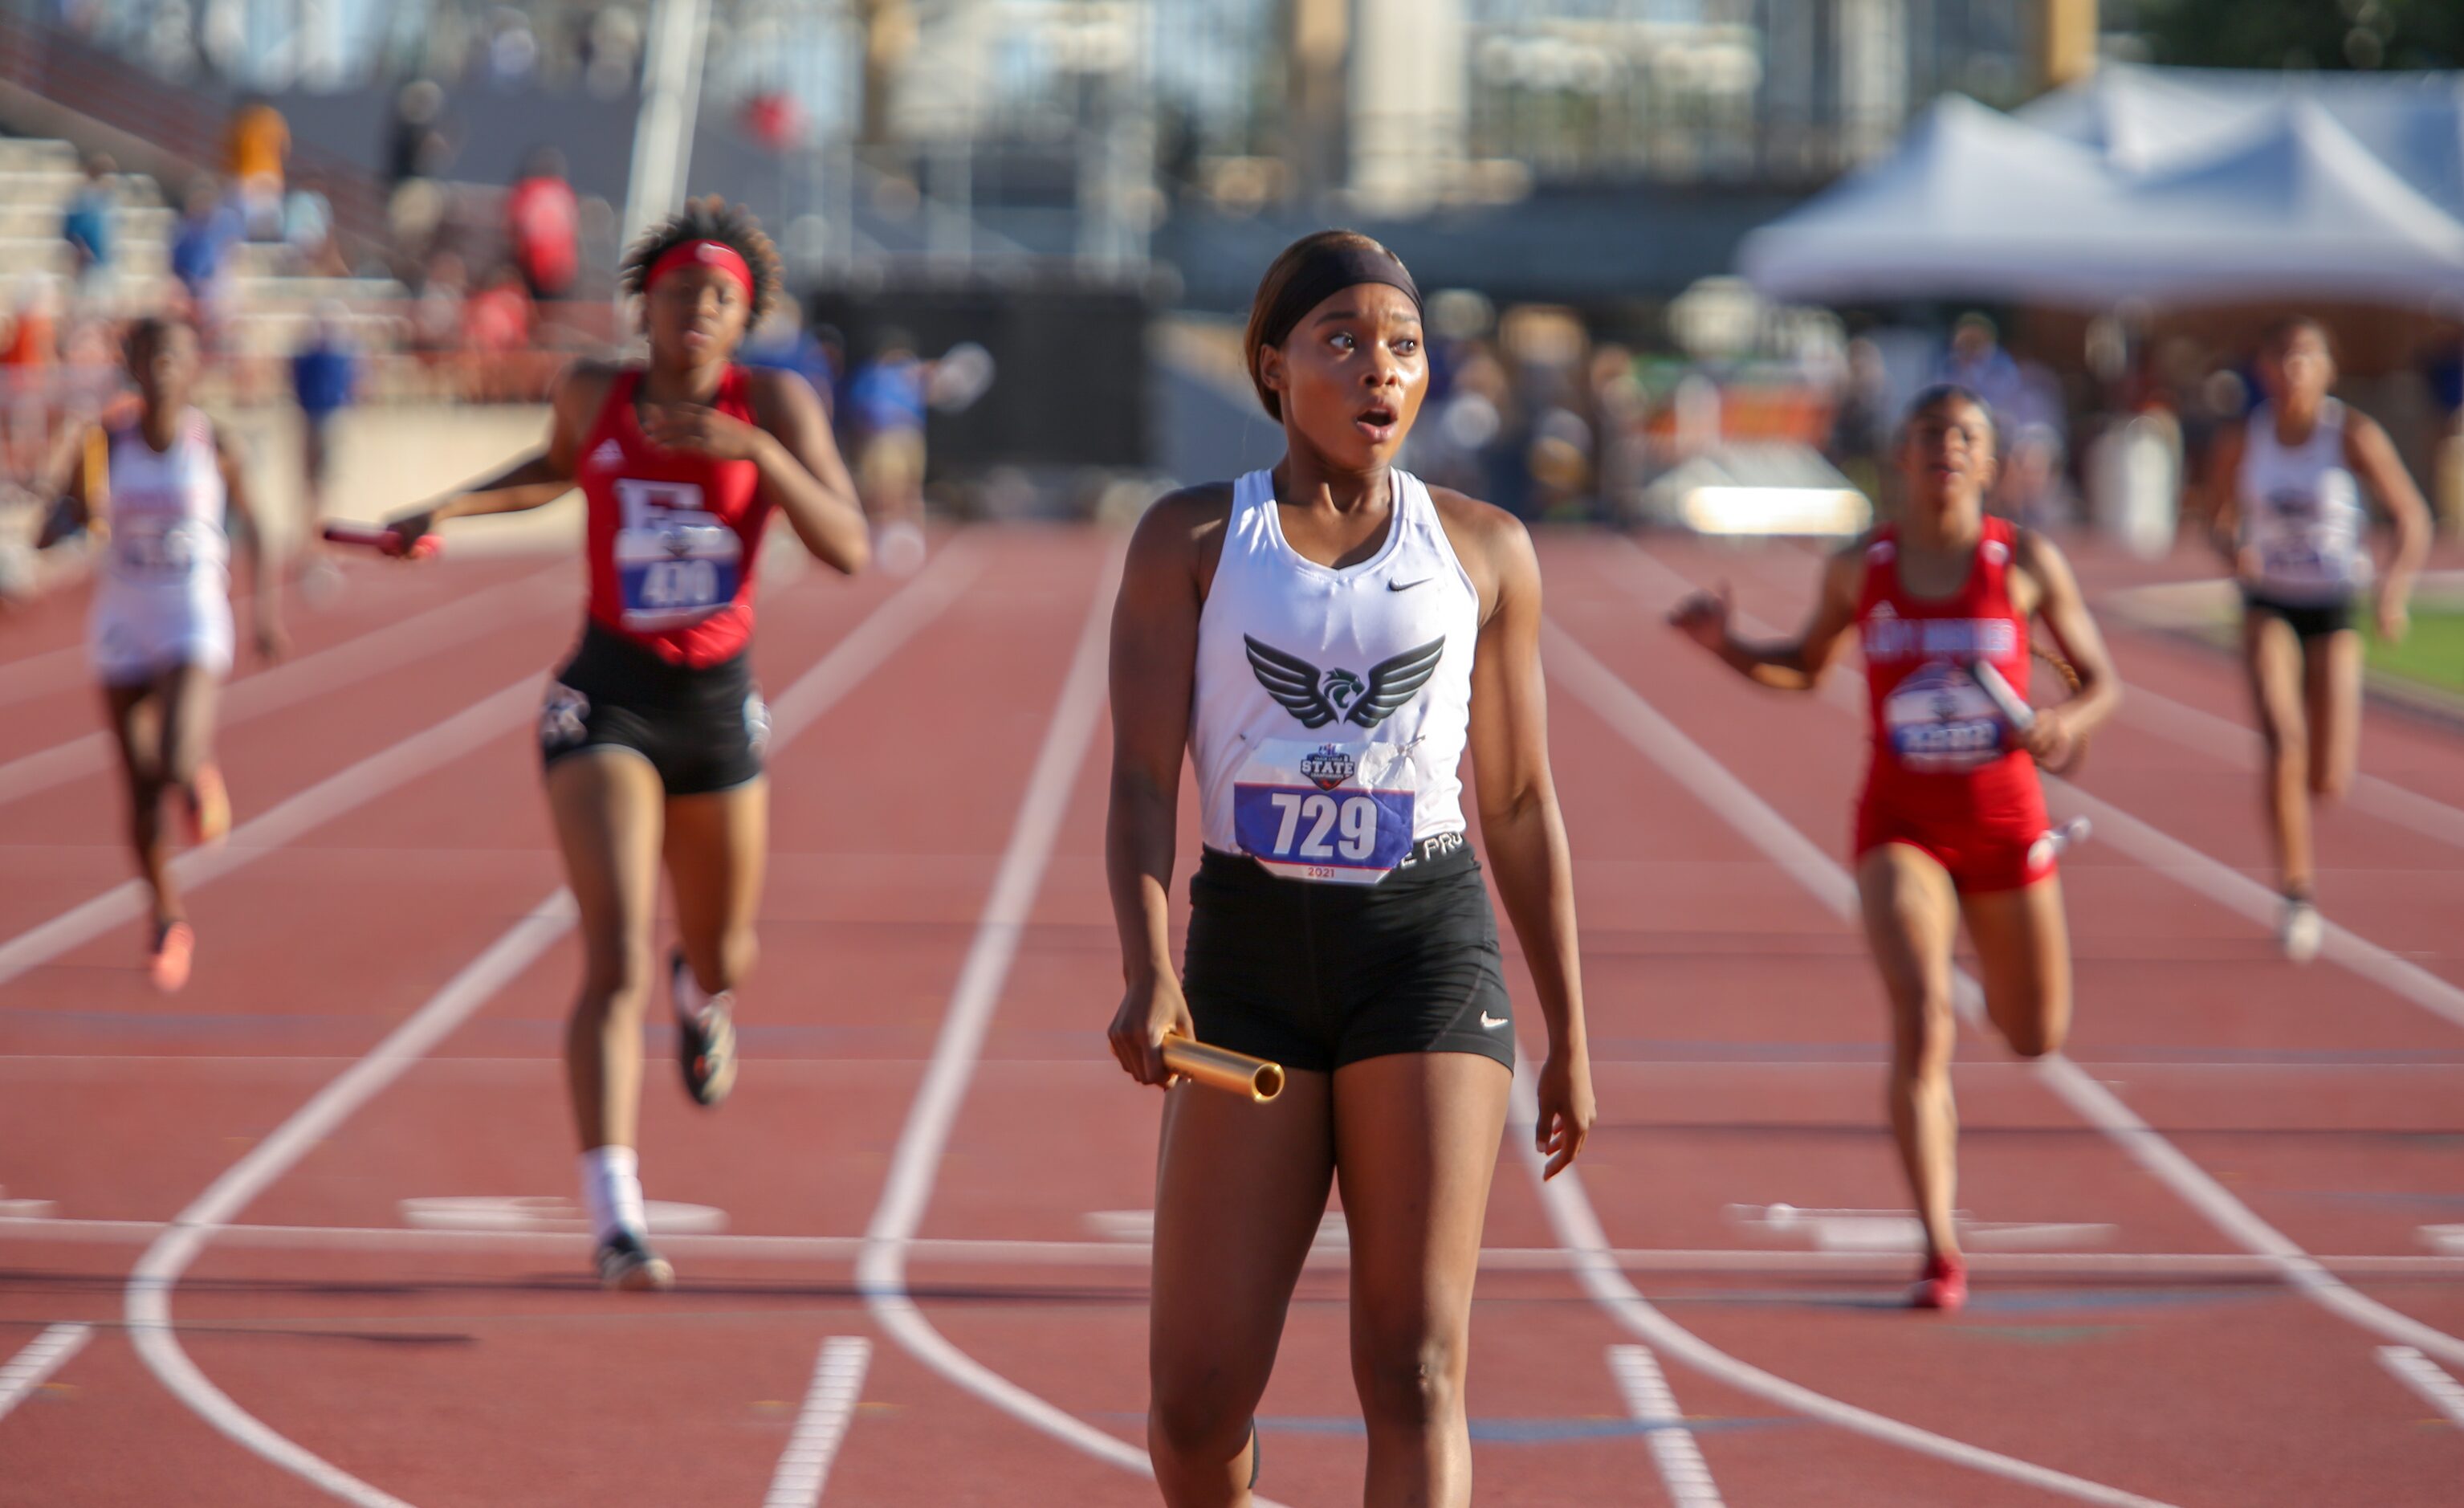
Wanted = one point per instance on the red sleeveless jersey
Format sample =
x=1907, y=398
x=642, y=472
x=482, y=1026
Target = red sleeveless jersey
x=672, y=535
x=1940, y=747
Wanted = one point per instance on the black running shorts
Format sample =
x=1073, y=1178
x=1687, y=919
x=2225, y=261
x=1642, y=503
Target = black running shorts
x=1315, y=976
x=701, y=727
x=2308, y=620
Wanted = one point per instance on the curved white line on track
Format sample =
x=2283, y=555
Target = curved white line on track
x=149, y=1300
x=1720, y=791
x=355, y=658
x=881, y=1267
x=1653, y=1402
x=1578, y=1227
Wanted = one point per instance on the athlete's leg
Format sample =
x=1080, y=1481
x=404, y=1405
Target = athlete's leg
x=2023, y=958
x=1240, y=1190
x=717, y=848
x=1415, y=1141
x=607, y=804
x=136, y=713
x=1911, y=916
x=2274, y=655
x=190, y=692
x=2332, y=695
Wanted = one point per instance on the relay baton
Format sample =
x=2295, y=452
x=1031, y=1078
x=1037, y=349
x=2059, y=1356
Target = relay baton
x=377, y=536
x=2013, y=706
x=1222, y=1068
x=2071, y=834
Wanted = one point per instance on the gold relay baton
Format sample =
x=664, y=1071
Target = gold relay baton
x=1222, y=1068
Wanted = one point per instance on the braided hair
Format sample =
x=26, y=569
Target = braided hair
x=710, y=219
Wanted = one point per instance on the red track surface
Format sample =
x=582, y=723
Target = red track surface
x=1736, y=1029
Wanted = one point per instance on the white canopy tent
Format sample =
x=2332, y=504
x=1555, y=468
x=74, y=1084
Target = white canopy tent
x=2140, y=192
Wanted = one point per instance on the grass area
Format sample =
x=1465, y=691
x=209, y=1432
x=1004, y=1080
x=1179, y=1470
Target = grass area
x=2432, y=653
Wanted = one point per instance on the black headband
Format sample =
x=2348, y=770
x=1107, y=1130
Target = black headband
x=1325, y=275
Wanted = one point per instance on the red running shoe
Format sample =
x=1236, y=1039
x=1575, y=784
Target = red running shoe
x=1943, y=1285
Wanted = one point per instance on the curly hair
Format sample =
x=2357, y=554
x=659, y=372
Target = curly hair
x=710, y=219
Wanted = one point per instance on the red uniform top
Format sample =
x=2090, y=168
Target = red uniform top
x=1940, y=748
x=672, y=535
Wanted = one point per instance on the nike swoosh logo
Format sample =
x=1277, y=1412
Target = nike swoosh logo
x=1491, y=1023
x=1407, y=585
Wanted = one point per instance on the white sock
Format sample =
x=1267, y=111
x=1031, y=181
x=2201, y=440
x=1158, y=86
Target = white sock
x=611, y=1191
x=691, y=999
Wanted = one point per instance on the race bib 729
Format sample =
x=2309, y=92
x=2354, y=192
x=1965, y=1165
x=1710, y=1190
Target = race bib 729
x=1333, y=812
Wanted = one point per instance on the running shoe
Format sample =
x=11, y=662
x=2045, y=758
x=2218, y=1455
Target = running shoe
x=625, y=1262
x=1943, y=1285
x=1257, y=1452
x=2299, y=930
x=209, y=807
x=175, y=945
x=705, y=1034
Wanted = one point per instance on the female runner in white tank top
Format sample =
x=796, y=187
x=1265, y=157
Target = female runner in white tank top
x=2289, y=513
x=160, y=636
x=1324, y=640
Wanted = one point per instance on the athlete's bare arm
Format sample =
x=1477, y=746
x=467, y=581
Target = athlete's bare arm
x=265, y=570
x=2045, y=575
x=536, y=477
x=1153, y=676
x=801, y=470
x=2373, y=457
x=2222, y=504
x=83, y=511
x=1521, y=827
x=1798, y=664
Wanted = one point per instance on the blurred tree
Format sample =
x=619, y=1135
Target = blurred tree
x=2296, y=33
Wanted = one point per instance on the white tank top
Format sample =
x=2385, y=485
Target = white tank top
x=2301, y=513
x=166, y=511
x=1332, y=706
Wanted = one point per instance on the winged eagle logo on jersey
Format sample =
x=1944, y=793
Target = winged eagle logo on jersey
x=1319, y=698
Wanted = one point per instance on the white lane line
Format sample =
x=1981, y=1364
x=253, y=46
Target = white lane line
x=998, y=1250
x=1653, y=1403
x=2168, y=855
x=47, y=1353
x=53, y=670
x=149, y=1303
x=829, y=1404
x=2423, y=1376
x=1710, y=782
x=1578, y=1227
x=881, y=1270
x=2238, y=745
x=440, y=744
x=311, y=675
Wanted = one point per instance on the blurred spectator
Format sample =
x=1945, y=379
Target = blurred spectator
x=415, y=145
x=543, y=224
x=2031, y=490
x=257, y=149
x=201, y=242
x=308, y=233
x=1861, y=424
x=31, y=350
x=495, y=323
x=1977, y=362
x=885, y=400
x=87, y=227
x=782, y=341
x=324, y=379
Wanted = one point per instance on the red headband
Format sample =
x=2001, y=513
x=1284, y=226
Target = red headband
x=718, y=255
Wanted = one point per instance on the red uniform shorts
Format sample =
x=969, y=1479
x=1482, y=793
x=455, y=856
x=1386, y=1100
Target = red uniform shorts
x=2002, y=848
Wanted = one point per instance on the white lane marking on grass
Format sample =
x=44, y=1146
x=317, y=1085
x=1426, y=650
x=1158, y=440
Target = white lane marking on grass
x=148, y=1301
x=47, y=1353
x=1653, y=1403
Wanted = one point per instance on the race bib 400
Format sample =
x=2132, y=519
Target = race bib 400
x=675, y=563
x=1327, y=812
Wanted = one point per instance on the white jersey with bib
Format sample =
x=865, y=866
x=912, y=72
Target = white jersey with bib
x=163, y=596
x=1332, y=706
x=2301, y=514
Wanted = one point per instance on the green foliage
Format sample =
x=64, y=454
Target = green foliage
x=2296, y=33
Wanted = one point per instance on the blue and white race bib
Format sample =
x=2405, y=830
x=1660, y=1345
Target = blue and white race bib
x=150, y=547
x=675, y=563
x=1339, y=812
x=2308, y=544
x=1939, y=719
